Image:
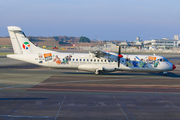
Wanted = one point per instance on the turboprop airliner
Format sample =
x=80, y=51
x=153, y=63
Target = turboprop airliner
x=94, y=61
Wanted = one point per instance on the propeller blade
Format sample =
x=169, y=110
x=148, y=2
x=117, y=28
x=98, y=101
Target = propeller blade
x=119, y=53
x=118, y=62
x=119, y=56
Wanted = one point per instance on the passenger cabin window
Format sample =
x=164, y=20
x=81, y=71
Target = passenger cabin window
x=73, y=59
x=76, y=59
x=98, y=60
x=91, y=60
x=83, y=59
x=94, y=60
x=87, y=60
x=80, y=60
x=101, y=60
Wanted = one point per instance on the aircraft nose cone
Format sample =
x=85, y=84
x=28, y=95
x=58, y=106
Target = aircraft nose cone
x=174, y=67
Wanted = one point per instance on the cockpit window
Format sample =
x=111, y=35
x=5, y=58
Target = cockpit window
x=163, y=60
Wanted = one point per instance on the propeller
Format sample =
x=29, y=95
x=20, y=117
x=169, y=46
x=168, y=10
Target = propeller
x=119, y=56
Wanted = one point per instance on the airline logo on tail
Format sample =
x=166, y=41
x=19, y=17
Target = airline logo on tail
x=26, y=45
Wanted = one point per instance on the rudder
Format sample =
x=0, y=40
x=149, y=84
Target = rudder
x=16, y=45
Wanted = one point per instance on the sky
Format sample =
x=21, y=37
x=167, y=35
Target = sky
x=95, y=19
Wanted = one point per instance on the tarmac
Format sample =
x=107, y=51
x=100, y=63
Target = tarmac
x=29, y=92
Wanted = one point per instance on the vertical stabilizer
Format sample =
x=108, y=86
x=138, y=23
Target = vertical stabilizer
x=14, y=40
x=20, y=43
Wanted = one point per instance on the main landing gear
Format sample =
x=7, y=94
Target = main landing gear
x=164, y=73
x=97, y=72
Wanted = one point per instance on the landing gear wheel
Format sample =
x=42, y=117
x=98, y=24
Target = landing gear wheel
x=165, y=73
x=97, y=72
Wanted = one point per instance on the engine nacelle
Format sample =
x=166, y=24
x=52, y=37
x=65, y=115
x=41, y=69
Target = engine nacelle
x=96, y=68
x=88, y=67
x=109, y=69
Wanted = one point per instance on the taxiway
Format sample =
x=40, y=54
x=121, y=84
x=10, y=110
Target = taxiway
x=32, y=92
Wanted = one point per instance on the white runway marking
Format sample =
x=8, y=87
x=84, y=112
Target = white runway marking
x=60, y=107
x=82, y=81
x=120, y=107
x=170, y=103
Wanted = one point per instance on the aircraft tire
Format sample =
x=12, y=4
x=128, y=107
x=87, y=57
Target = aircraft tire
x=165, y=73
x=97, y=72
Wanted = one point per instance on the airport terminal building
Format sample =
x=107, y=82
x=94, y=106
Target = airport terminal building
x=162, y=43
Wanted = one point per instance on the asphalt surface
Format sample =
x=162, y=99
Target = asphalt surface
x=32, y=92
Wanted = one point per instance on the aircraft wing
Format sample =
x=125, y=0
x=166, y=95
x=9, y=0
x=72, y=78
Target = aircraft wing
x=99, y=53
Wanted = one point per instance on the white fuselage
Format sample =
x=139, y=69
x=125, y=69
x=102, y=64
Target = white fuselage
x=88, y=62
x=95, y=61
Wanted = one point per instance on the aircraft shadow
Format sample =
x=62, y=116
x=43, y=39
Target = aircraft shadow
x=170, y=74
